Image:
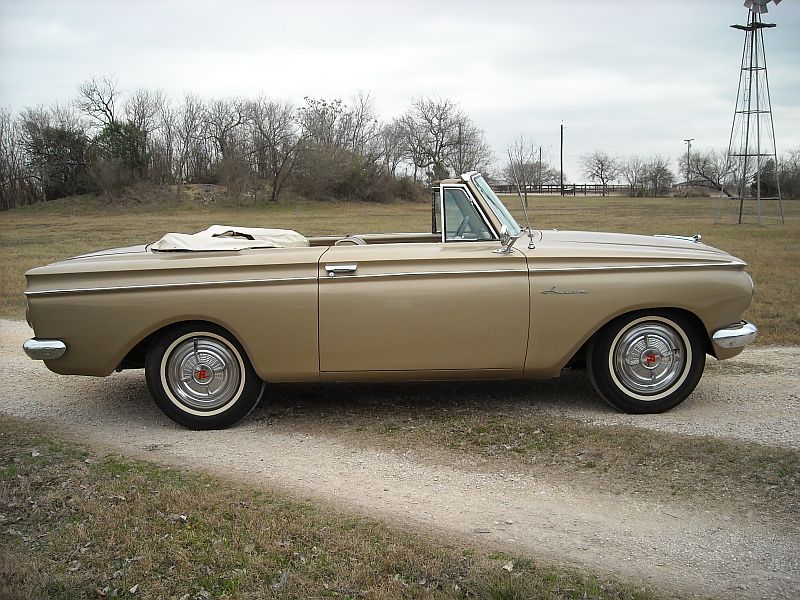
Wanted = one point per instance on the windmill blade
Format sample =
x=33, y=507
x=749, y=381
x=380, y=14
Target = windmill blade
x=776, y=2
x=758, y=6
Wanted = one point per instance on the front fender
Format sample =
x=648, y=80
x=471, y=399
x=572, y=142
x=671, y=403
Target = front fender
x=568, y=308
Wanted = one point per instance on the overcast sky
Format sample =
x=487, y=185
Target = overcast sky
x=625, y=76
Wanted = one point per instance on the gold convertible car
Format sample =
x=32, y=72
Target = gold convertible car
x=212, y=316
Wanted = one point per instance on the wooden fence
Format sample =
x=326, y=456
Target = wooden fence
x=571, y=189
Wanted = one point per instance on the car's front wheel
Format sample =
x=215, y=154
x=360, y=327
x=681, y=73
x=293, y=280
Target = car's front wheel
x=646, y=362
x=201, y=377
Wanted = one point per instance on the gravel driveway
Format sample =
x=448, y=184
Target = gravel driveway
x=754, y=397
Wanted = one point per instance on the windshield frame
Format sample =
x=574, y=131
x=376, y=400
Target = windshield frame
x=476, y=205
x=495, y=205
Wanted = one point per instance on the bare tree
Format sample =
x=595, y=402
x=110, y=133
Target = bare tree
x=710, y=169
x=599, y=166
x=658, y=176
x=8, y=160
x=164, y=150
x=522, y=166
x=633, y=170
x=276, y=137
x=189, y=131
x=17, y=186
x=394, y=147
x=324, y=123
x=142, y=109
x=470, y=151
x=326, y=147
x=431, y=127
x=97, y=99
x=528, y=166
x=789, y=173
x=362, y=128
x=223, y=119
x=342, y=147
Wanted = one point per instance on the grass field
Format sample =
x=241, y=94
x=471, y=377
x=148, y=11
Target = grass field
x=44, y=233
x=81, y=524
x=78, y=523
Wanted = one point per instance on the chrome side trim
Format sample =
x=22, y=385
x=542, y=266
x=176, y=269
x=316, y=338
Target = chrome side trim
x=44, y=349
x=169, y=285
x=279, y=280
x=732, y=263
x=736, y=335
x=426, y=273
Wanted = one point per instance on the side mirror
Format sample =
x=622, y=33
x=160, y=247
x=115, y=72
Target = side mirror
x=506, y=240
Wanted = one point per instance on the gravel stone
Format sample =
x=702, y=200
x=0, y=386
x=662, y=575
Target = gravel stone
x=666, y=544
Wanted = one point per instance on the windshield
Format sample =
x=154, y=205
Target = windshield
x=497, y=206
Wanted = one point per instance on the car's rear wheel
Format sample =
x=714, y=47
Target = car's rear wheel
x=200, y=376
x=646, y=362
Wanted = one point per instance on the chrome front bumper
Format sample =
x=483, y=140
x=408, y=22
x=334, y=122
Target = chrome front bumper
x=44, y=349
x=736, y=335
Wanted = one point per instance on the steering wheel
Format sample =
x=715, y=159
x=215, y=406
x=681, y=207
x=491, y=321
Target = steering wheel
x=462, y=227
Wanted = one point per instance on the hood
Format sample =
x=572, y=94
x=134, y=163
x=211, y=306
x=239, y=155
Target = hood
x=593, y=248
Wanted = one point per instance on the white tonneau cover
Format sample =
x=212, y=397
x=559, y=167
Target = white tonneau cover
x=226, y=237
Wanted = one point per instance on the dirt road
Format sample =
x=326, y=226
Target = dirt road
x=668, y=543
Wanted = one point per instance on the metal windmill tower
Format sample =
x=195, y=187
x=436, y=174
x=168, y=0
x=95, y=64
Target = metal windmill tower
x=752, y=156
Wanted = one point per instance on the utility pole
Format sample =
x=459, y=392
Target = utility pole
x=562, y=158
x=540, y=169
x=688, y=156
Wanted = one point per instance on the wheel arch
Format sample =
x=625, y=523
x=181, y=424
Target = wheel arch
x=579, y=356
x=641, y=387
x=135, y=356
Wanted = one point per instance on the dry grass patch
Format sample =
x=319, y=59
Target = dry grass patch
x=48, y=232
x=77, y=524
x=495, y=426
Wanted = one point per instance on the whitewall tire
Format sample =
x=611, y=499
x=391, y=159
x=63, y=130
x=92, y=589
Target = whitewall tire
x=646, y=362
x=201, y=377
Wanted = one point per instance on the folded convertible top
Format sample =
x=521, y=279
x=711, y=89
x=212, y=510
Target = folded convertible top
x=227, y=237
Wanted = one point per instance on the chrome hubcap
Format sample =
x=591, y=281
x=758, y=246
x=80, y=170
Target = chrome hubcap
x=203, y=373
x=649, y=358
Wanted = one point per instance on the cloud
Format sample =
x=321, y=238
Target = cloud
x=629, y=77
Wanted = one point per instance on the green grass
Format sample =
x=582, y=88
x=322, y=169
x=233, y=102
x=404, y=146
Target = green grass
x=44, y=233
x=80, y=524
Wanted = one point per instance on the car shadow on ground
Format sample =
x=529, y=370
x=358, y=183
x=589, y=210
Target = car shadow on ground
x=572, y=392
x=126, y=396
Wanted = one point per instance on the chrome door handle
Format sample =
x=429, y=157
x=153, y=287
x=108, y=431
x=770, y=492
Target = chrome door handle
x=334, y=269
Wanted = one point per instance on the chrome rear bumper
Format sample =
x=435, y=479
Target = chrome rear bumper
x=44, y=349
x=736, y=335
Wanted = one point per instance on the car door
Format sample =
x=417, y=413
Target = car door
x=451, y=305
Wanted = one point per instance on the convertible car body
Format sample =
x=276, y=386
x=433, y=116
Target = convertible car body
x=211, y=317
